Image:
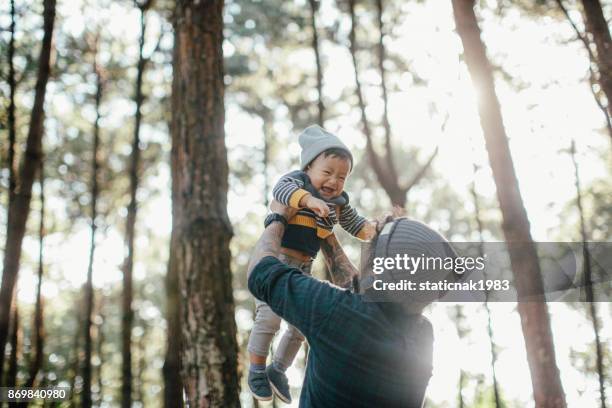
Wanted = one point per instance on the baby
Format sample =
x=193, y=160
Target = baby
x=317, y=191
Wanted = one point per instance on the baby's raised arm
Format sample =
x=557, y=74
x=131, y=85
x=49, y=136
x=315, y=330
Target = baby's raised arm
x=355, y=224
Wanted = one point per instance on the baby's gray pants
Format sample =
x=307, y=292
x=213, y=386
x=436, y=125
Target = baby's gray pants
x=267, y=323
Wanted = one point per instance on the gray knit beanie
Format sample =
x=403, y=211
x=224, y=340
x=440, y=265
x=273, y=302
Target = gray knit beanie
x=314, y=140
x=405, y=236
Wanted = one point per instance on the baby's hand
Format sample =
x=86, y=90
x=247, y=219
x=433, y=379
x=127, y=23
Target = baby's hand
x=318, y=206
x=369, y=230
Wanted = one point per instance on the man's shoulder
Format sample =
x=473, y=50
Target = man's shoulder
x=267, y=263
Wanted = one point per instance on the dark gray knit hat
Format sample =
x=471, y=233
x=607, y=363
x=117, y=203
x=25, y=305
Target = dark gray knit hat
x=404, y=236
x=314, y=140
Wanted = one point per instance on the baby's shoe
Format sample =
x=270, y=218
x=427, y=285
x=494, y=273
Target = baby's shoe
x=279, y=383
x=259, y=385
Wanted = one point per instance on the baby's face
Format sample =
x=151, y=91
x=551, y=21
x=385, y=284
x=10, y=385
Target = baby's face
x=328, y=174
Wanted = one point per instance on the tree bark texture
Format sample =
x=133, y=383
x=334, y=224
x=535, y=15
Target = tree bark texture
x=597, y=26
x=588, y=281
x=19, y=207
x=89, y=293
x=200, y=247
x=535, y=321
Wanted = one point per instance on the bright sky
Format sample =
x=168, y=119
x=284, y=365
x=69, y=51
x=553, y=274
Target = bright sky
x=540, y=121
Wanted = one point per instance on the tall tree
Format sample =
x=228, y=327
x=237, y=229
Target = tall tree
x=12, y=128
x=173, y=385
x=19, y=207
x=314, y=6
x=15, y=342
x=383, y=168
x=202, y=230
x=380, y=48
x=100, y=349
x=38, y=328
x=130, y=228
x=588, y=281
x=535, y=321
x=89, y=292
x=481, y=252
x=12, y=133
x=597, y=26
x=596, y=77
x=459, y=318
x=76, y=353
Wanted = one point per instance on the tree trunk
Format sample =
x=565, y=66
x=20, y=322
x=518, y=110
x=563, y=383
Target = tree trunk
x=76, y=361
x=19, y=207
x=314, y=6
x=588, y=281
x=597, y=26
x=461, y=332
x=99, y=349
x=547, y=388
x=383, y=169
x=383, y=87
x=38, y=329
x=387, y=183
x=130, y=233
x=173, y=385
x=89, y=294
x=209, y=352
x=480, y=228
x=594, y=75
x=11, y=374
x=12, y=132
x=12, y=127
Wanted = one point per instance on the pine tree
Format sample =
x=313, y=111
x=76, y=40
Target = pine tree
x=201, y=230
x=547, y=388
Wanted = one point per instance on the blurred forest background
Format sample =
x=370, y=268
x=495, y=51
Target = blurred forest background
x=90, y=295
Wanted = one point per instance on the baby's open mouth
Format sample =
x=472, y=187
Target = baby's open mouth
x=327, y=190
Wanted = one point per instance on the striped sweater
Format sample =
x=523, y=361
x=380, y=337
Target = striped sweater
x=306, y=230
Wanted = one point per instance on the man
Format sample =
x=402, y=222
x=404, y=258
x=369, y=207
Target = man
x=362, y=353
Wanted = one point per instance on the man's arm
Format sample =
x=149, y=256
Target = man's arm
x=267, y=245
x=269, y=242
x=340, y=267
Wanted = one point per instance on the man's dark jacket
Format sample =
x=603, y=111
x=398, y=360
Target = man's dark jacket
x=362, y=354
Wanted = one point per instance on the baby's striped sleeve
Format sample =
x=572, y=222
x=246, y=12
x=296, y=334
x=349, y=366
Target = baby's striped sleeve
x=288, y=190
x=351, y=221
